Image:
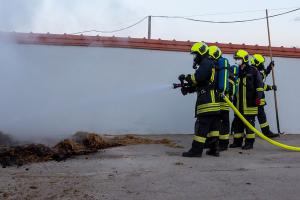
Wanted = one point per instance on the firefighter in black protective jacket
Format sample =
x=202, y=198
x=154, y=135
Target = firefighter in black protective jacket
x=207, y=105
x=222, y=69
x=247, y=99
x=257, y=60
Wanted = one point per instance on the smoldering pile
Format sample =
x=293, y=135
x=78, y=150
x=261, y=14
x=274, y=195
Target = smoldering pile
x=81, y=143
x=6, y=140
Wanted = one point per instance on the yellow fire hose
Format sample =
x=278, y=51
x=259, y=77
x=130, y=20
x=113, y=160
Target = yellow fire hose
x=284, y=146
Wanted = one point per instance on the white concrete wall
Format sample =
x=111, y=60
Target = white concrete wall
x=61, y=89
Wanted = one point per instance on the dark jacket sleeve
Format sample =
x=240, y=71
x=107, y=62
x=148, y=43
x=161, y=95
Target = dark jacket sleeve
x=269, y=69
x=201, y=75
x=259, y=85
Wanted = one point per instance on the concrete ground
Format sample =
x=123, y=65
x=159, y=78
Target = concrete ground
x=157, y=172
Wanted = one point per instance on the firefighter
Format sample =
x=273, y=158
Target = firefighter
x=222, y=86
x=257, y=60
x=207, y=104
x=246, y=100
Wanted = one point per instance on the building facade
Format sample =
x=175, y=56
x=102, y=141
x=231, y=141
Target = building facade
x=60, y=84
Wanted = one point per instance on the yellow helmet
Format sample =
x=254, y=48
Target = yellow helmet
x=199, y=47
x=214, y=52
x=242, y=54
x=257, y=59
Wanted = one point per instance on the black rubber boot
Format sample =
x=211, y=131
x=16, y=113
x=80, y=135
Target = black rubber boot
x=248, y=144
x=213, y=152
x=195, y=151
x=237, y=142
x=270, y=134
x=207, y=143
x=223, y=145
x=267, y=132
x=214, y=148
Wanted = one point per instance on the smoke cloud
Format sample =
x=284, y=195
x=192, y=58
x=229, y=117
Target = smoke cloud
x=64, y=16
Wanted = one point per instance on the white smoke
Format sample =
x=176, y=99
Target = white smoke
x=65, y=16
x=61, y=16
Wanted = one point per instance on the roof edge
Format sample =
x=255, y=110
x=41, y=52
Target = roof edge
x=138, y=43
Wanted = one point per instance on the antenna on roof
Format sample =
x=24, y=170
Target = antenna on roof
x=149, y=27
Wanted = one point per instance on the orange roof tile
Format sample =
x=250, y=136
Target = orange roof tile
x=139, y=43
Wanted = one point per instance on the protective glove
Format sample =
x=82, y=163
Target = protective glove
x=184, y=91
x=181, y=77
x=274, y=87
x=271, y=65
x=257, y=101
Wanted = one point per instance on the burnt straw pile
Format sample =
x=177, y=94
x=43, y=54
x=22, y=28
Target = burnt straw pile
x=6, y=140
x=81, y=143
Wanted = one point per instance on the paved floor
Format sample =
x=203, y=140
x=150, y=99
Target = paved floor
x=157, y=172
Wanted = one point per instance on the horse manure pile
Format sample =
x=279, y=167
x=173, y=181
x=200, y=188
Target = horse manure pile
x=19, y=155
x=5, y=140
x=81, y=143
x=133, y=140
x=94, y=141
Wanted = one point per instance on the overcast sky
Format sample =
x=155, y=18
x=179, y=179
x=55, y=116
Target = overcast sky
x=69, y=16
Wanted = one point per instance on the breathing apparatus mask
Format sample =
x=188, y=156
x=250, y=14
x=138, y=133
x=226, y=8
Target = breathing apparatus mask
x=196, y=60
x=239, y=62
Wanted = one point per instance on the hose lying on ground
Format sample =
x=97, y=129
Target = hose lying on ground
x=284, y=146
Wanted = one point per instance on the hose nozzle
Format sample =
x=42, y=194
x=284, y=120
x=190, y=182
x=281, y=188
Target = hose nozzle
x=176, y=85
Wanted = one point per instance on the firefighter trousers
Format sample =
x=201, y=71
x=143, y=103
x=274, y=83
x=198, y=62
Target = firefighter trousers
x=262, y=119
x=208, y=125
x=224, y=128
x=241, y=130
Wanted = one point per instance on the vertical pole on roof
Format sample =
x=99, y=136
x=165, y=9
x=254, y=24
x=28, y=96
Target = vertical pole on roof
x=149, y=27
x=273, y=74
